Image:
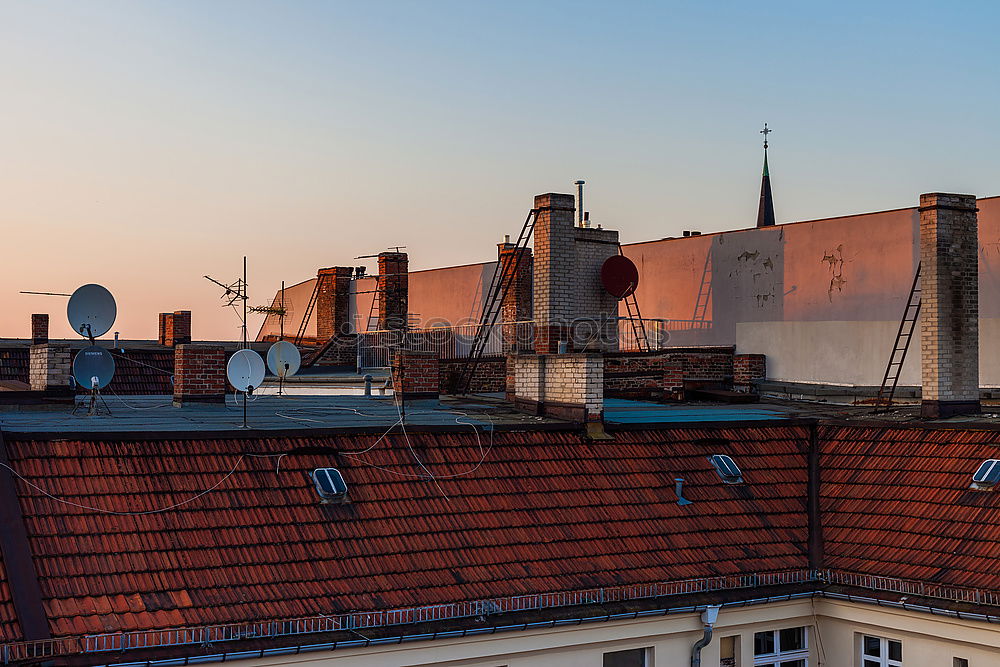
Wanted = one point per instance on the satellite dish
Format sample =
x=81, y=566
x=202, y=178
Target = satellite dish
x=245, y=371
x=91, y=311
x=283, y=359
x=93, y=367
x=619, y=276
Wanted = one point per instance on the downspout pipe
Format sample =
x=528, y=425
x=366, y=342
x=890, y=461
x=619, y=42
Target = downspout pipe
x=708, y=618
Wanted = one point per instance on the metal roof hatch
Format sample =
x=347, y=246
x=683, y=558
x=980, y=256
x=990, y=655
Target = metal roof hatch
x=727, y=468
x=330, y=485
x=987, y=476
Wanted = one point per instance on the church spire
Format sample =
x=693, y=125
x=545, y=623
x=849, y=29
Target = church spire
x=765, y=212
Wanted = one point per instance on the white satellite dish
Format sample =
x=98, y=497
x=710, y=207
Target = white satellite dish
x=283, y=359
x=245, y=371
x=91, y=311
x=93, y=367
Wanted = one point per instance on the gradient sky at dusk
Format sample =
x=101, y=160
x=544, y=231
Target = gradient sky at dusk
x=145, y=144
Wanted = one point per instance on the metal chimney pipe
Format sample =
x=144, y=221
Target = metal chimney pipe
x=580, y=220
x=679, y=490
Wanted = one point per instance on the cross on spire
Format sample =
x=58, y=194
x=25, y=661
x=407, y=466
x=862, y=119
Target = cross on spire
x=766, y=132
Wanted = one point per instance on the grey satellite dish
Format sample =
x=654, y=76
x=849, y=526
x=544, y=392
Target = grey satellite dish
x=91, y=311
x=245, y=371
x=283, y=359
x=93, y=367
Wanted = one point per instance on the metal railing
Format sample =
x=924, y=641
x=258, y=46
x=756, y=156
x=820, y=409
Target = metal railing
x=119, y=641
x=455, y=342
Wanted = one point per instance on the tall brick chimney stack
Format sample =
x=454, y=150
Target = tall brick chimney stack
x=393, y=290
x=333, y=302
x=39, y=329
x=515, y=267
x=553, y=270
x=174, y=328
x=949, y=305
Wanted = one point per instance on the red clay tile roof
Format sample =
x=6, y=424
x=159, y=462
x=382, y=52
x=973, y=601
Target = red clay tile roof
x=10, y=630
x=896, y=502
x=142, y=372
x=545, y=512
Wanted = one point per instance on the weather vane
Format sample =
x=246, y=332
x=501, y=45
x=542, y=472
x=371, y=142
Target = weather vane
x=766, y=132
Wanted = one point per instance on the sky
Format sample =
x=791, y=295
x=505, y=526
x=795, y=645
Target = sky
x=145, y=144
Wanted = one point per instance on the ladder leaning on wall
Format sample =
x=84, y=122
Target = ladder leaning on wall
x=907, y=324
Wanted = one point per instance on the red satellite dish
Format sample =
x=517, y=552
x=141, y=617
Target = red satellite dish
x=619, y=276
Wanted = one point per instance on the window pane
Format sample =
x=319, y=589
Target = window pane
x=895, y=650
x=632, y=658
x=794, y=663
x=872, y=647
x=792, y=639
x=763, y=643
x=872, y=663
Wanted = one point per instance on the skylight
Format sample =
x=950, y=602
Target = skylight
x=330, y=485
x=987, y=475
x=727, y=469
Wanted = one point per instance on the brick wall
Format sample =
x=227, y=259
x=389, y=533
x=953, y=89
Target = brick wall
x=949, y=304
x=663, y=374
x=39, y=329
x=515, y=266
x=333, y=301
x=49, y=367
x=569, y=386
x=594, y=246
x=199, y=373
x=174, y=328
x=490, y=375
x=393, y=290
x=415, y=374
x=746, y=369
x=343, y=351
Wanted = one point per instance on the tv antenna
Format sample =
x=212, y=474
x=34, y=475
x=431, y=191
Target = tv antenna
x=236, y=291
x=91, y=312
x=275, y=309
x=245, y=372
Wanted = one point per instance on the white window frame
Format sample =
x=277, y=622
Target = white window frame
x=780, y=656
x=884, y=660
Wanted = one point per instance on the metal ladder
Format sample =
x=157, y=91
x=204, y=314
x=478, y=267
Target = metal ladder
x=704, y=290
x=492, y=305
x=635, y=317
x=309, y=309
x=903, y=337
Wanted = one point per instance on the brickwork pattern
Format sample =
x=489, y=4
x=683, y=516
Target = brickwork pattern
x=593, y=247
x=342, y=352
x=39, y=329
x=49, y=367
x=175, y=328
x=570, y=379
x=199, y=372
x=333, y=302
x=490, y=375
x=415, y=372
x=517, y=303
x=393, y=290
x=746, y=369
x=662, y=374
x=553, y=265
x=949, y=310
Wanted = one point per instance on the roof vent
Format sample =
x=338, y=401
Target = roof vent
x=727, y=468
x=330, y=485
x=987, y=476
x=679, y=490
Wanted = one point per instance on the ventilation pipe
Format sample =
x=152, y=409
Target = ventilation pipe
x=708, y=619
x=581, y=219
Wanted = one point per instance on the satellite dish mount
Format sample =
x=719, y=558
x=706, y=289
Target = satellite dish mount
x=91, y=312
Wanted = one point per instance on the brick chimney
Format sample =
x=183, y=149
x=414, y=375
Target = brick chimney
x=333, y=302
x=199, y=373
x=553, y=270
x=175, y=328
x=39, y=329
x=515, y=267
x=949, y=305
x=567, y=279
x=49, y=367
x=393, y=290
